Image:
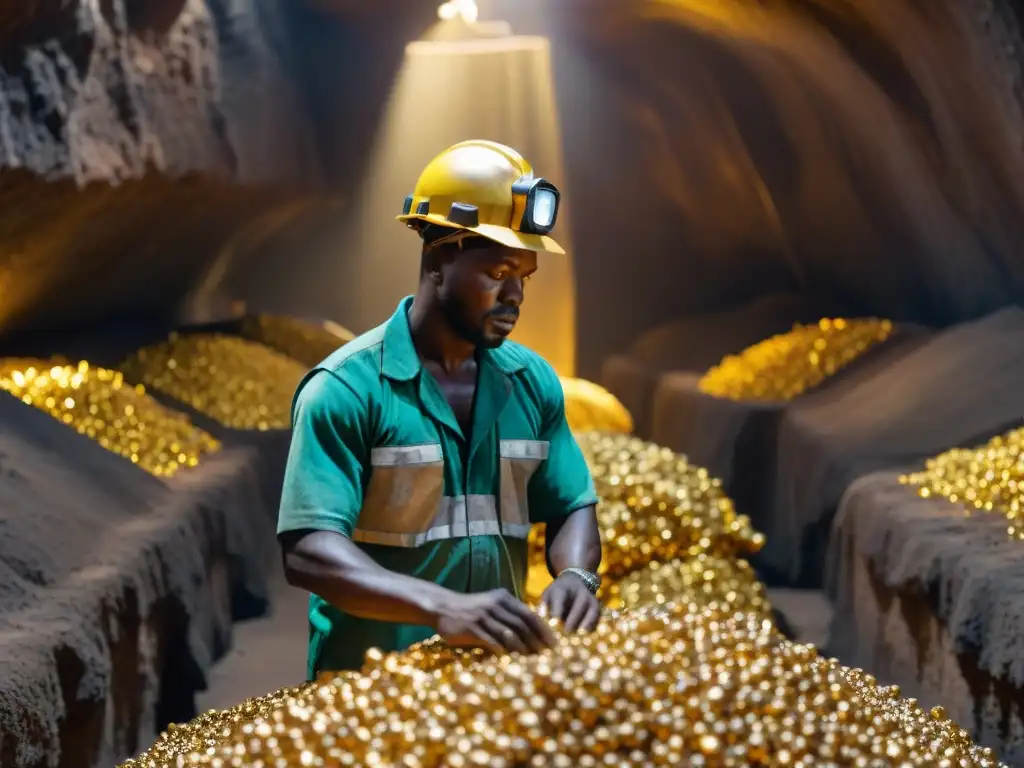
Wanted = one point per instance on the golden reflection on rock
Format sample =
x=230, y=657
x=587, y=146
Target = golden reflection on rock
x=785, y=366
x=238, y=383
x=989, y=478
x=99, y=404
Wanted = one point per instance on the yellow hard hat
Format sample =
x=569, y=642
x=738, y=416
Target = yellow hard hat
x=488, y=189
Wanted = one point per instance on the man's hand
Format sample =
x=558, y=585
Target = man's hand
x=569, y=600
x=495, y=620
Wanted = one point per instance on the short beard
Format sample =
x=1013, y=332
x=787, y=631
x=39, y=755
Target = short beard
x=454, y=313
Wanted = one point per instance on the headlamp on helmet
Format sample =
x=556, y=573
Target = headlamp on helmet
x=489, y=190
x=534, y=205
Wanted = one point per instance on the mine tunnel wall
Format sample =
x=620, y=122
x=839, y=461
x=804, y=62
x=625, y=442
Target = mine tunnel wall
x=868, y=153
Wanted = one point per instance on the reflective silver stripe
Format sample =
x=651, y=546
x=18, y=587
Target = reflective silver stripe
x=516, y=530
x=404, y=503
x=519, y=460
x=478, y=510
x=403, y=539
x=494, y=528
x=405, y=455
x=456, y=516
x=524, y=449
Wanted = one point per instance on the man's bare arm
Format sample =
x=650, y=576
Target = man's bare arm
x=574, y=541
x=333, y=567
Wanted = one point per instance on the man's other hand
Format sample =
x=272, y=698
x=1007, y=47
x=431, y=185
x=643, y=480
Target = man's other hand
x=495, y=620
x=568, y=600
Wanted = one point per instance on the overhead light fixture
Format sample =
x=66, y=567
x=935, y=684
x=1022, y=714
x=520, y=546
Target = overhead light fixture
x=465, y=10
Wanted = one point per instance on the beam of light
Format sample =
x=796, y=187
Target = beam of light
x=485, y=84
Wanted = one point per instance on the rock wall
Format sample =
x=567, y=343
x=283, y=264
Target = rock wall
x=135, y=140
x=865, y=152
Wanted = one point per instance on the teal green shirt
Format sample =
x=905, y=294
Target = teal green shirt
x=378, y=456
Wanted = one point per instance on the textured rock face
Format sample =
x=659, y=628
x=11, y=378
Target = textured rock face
x=867, y=152
x=117, y=595
x=930, y=600
x=108, y=90
x=135, y=139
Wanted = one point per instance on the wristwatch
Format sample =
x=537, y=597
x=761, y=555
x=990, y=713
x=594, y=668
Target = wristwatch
x=591, y=580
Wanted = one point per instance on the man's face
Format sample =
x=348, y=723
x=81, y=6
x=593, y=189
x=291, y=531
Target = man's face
x=481, y=289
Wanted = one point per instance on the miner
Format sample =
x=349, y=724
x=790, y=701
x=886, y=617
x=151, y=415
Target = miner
x=423, y=451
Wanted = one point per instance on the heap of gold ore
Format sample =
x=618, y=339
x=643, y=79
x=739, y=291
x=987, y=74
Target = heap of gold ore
x=307, y=341
x=989, y=479
x=685, y=669
x=101, y=405
x=589, y=406
x=784, y=366
x=216, y=374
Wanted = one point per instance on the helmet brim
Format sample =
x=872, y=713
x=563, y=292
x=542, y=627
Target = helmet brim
x=502, y=235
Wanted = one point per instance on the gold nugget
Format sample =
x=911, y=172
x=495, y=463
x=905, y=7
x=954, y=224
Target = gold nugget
x=690, y=672
x=722, y=584
x=655, y=507
x=652, y=492
x=589, y=406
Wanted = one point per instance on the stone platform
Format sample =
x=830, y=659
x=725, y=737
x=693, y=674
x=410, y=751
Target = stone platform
x=787, y=464
x=118, y=590
x=933, y=601
x=691, y=345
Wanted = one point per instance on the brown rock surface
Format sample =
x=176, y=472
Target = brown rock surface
x=931, y=600
x=135, y=139
x=117, y=591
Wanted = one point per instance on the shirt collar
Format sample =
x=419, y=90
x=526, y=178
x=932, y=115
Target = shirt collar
x=399, y=360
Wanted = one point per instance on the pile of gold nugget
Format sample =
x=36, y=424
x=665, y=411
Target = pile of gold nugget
x=589, y=406
x=303, y=340
x=99, y=404
x=653, y=687
x=785, y=366
x=655, y=507
x=686, y=669
x=720, y=584
x=989, y=479
x=239, y=383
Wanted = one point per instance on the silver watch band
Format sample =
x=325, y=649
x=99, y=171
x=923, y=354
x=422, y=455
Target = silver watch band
x=591, y=580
